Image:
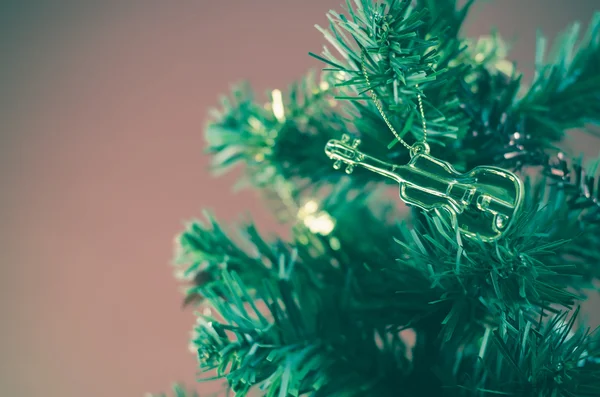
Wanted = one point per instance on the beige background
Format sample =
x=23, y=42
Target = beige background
x=102, y=109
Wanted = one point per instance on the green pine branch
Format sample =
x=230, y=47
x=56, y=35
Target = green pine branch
x=292, y=345
x=530, y=358
x=277, y=140
x=580, y=185
x=277, y=335
x=425, y=279
x=517, y=131
x=485, y=121
x=408, y=50
x=321, y=314
x=565, y=92
x=204, y=252
x=485, y=102
x=245, y=131
x=577, y=186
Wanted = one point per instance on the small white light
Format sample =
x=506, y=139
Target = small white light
x=311, y=207
x=278, y=110
x=320, y=224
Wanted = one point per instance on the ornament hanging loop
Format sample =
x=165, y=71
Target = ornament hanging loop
x=419, y=148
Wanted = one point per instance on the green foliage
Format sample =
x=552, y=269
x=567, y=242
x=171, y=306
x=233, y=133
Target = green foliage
x=473, y=108
x=518, y=131
x=294, y=347
x=527, y=359
x=408, y=50
x=326, y=312
x=207, y=251
x=315, y=302
x=565, y=92
x=270, y=146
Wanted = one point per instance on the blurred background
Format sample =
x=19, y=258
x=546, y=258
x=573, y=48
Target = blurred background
x=102, y=107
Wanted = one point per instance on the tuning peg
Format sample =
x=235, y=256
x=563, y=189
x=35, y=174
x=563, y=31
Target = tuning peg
x=355, y=143
x=349, y=169
x=337, y=165
x=345, y=138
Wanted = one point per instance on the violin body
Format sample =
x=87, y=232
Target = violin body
x=482, y=202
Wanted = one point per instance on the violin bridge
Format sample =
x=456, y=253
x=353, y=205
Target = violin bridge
x=468, y=196
x=463, y=194
x=483, y=202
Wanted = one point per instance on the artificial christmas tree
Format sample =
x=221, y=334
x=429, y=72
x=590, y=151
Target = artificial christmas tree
x=473, y=291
